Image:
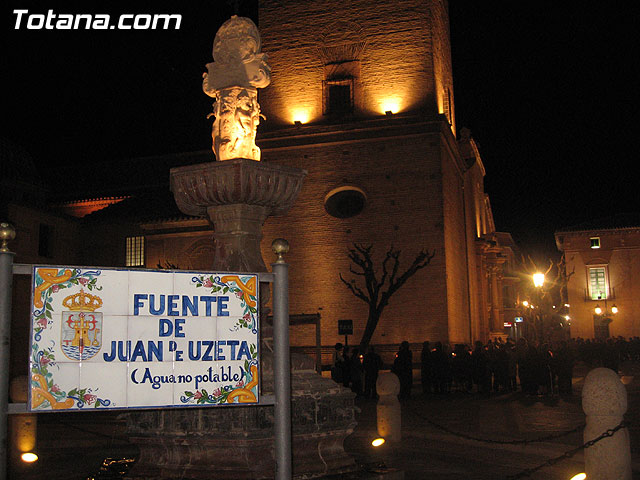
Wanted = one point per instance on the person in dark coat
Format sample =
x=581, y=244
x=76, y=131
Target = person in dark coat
x=441, y=369
x=403, y=368
x=337, y=364
x=346, y=372
x=372, y=364
x=480, y=368
x=563, y=366
x=357, y=372
x=426, y=367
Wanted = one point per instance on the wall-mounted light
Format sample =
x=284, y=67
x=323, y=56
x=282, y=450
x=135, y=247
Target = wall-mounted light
x=300, y=114
x=389, y=104
x=598, y=310
x=614, y=309
x=29, y=457
x=378, y=442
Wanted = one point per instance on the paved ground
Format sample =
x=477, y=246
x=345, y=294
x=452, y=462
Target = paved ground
x=429, y=452
x=425, y=452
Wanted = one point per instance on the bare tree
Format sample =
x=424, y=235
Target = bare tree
x=376, y=293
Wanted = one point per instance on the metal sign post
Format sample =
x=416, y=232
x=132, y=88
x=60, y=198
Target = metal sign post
x=345, y=327
x=7, y=233
x=282, y=362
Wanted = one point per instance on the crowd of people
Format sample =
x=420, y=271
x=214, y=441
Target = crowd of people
x=352, y=369
x=496, y=366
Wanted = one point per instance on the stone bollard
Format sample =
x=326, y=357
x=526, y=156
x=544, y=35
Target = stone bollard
x=604, y=401
x=388, y=409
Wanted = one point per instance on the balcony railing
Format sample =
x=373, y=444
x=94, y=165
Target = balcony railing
x=610, y=292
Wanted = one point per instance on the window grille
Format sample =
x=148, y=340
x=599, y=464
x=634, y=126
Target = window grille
x=135, y=252
x=338, y=97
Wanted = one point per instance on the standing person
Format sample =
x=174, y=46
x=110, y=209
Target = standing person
x=346, y=371
x=480, y=368
x=426, y=367
x=372, y=364
x=356, y=371
x=512, y=366
x=563, y=366
x=501, y=368
x=525, y=370
x=403, y=368
x=337, y=364
x=440, y=362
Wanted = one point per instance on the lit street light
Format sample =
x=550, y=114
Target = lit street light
x=538, y=279
x=602, y=330
x=538, y=282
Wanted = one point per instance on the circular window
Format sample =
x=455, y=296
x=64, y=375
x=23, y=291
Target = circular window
x=345, y=202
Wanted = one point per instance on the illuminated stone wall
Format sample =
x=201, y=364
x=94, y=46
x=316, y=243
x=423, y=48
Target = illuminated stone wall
x=457, y=280
x=391, y=42
x=398, y=56
x=402, y=177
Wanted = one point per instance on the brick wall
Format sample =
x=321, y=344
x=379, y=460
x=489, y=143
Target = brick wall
x=391, y=40
x=403, y=182
x=455, y=249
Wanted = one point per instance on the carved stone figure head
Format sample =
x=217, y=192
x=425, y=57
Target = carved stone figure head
x=239, y=68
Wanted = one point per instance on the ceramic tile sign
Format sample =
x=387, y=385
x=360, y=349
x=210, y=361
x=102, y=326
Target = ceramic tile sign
x=113, y=338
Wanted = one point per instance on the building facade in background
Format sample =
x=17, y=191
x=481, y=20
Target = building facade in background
x=604, y=256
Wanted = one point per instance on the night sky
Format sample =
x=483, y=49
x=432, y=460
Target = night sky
x=546, y=88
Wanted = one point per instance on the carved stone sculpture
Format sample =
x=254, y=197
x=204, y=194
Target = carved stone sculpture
x=232, y=79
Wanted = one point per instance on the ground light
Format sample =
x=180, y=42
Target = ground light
x=378, y=442
x=29, y=457
x=580, y=476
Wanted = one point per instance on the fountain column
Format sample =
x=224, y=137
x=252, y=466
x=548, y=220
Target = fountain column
x=238, y=193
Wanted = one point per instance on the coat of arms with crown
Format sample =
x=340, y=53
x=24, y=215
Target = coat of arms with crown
x=81, y=326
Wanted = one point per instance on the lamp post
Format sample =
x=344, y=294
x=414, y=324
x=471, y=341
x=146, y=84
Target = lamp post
x=602, y=328
x=538, y=283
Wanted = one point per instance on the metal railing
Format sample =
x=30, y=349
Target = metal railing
x=610, y=295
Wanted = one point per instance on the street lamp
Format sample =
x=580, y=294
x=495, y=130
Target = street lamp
x=538, y=279
x=603, y=326
x=599, y=310
x=538, y=282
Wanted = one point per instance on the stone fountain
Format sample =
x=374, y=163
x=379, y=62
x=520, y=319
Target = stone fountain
x=238, y=193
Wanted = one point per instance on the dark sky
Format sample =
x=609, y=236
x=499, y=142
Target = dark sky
x=547, y=89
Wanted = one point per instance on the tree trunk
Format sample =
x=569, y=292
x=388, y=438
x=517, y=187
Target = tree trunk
x=370, y=327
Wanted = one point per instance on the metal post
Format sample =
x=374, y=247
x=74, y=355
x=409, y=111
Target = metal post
x=282, y=362
x=7, y=233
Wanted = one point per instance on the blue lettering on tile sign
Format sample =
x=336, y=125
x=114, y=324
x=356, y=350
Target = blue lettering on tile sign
x=183, y=305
